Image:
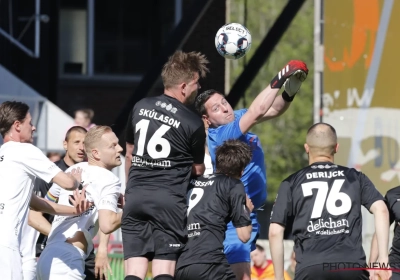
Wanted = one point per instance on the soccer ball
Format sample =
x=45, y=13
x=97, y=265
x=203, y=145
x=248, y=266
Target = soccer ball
x=233, y=41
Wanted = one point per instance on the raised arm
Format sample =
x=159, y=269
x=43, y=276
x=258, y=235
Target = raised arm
x=267, y=105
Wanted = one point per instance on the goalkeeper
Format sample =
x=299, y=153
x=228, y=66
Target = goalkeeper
x=224, y=124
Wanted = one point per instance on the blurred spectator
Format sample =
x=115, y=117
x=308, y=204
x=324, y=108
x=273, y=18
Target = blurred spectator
x=291, y=268
x=262, y=268
x=84, y=117
x=54, y=156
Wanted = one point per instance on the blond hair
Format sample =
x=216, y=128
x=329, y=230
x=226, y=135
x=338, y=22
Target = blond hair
x=94, y=136
x=182, y=67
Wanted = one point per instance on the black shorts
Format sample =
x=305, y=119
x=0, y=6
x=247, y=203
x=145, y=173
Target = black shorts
x=90, y=266
x=153, y=224
x=394, y=261
x=205, y=271
x=322, y=273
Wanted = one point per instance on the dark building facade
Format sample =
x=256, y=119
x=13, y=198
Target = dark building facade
x=94, y=53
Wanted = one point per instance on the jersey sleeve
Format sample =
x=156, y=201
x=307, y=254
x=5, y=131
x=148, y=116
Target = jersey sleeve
x=239, y=214
x=40, y=188
x=389, y=202
x=129, y=134
x=282, y=208
x=232, y=129
x=38, y=165
x=198, y=145
x=109, y=195
x=53, y=193
x=369, y=194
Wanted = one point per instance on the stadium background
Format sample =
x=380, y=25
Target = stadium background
x=62, y=55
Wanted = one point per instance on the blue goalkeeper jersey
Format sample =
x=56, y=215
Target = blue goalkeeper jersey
x=254, y=176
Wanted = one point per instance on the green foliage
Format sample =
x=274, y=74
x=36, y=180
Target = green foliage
x=282, y=138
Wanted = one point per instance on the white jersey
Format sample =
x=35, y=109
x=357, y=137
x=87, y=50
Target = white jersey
x=28, y=251
x=20, y=164
x=208, y=164
x=103, y=189
x=28, y=242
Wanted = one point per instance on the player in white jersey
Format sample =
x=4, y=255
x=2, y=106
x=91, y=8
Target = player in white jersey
x=20, y=163
x=71, y=238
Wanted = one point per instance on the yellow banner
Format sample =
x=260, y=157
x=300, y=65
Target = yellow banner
x=361, y=95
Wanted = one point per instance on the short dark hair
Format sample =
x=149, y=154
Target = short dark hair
x=259, y=247
x=314, y=126
x=11, y=111
x=75, y=128
x=202, y=98
x=232, y=157
x=322, y=139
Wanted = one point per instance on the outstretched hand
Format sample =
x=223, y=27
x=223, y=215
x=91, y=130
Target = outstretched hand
x=293, y=83
x=79, y=201
x=290, y=69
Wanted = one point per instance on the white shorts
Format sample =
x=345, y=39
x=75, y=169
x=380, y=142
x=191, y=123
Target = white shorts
x=29, y=269
x=10, y=264
x=61, y=260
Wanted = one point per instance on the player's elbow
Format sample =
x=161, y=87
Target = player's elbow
x=257, y=111
x=244, y=237
x=244, y=233
x=71, y=185
x=379, y=209
x=65, y=181
x=275, y=231
x=128, y=157
x=198, y=169
x=106, y=228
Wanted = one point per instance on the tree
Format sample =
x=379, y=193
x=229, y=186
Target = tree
x=282, y=138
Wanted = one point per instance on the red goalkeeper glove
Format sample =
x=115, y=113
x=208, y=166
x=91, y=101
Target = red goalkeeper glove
x=292, y=67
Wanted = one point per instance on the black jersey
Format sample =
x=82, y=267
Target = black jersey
x=214, y=200
x=392, y=199
x=168, y=138
x=324, y=202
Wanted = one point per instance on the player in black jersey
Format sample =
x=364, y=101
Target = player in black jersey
x=165, y=147
x=323, y=201
x=214, y=200
x=392, y=199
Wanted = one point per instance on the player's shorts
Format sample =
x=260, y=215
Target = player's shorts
x=153, y=223
x=394, y=261
x=29, y=268
x=235, y=250
x=61, y=260
x=90, y=266
x=205, y=271
x=10, y=264
x=318, y=271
